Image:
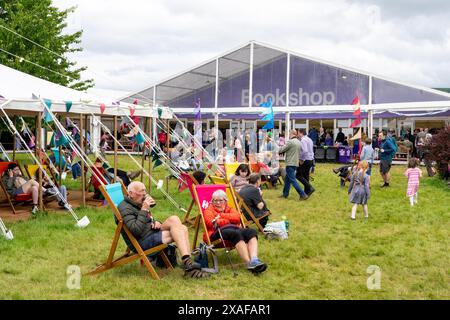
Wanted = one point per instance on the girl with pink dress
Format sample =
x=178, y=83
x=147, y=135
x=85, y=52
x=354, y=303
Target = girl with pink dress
x=413, y=173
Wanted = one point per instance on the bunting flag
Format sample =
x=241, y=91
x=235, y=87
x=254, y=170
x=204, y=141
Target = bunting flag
x=102, y=108
x=139, y=138
x=135, y=101
x=159, y=112
x=33, y=96
x=68, y=106
x=155, y=158
x=47, y=116
x=268, y=114
x=132, y=109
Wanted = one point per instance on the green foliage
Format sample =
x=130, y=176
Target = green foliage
x=42, y=23
x=440, y=151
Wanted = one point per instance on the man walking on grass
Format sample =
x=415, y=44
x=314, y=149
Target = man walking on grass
x=387, y=152
x=292, y=151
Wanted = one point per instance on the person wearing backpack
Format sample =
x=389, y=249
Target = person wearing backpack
x=387, y=152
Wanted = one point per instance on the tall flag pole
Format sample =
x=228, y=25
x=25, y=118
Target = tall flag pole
x=357, y=112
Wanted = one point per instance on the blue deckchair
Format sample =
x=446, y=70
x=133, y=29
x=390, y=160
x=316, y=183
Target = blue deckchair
x=114, y=194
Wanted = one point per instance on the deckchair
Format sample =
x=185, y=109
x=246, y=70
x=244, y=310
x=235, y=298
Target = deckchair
x=255, y=168
x=230, y=170
x=246, y=210
x=31, y=169
x=114, y=195
x=203, y=194
x=191, y=181
x=217, y=180
x=22, y=197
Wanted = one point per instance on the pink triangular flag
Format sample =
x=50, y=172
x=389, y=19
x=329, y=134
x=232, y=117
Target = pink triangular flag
x=135, y=101
x=102, y=107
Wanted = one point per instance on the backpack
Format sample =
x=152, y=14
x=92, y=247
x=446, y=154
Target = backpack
x=201, y=257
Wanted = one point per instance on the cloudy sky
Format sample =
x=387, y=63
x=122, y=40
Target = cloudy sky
x=129, y=45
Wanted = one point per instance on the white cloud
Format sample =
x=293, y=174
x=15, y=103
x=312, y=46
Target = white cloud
x=135, y=43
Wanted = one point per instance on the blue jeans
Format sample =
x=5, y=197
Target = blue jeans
x=290, y=179
x=76, y=170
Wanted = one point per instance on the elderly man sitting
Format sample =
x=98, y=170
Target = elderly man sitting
x=136, y=215
x=220, y=215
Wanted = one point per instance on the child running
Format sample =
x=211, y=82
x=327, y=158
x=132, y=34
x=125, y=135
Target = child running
x=359, y=189
x=413, y=173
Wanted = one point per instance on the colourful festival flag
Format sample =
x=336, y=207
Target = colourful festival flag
x=68, y=106
x=102, y=108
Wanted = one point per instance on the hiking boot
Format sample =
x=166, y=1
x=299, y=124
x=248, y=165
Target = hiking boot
x=256, y=266
x=304, y=197
x=311, y=192
x=195, y=273
x=188, y=264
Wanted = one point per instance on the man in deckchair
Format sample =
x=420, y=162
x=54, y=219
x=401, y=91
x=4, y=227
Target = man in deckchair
x=136, y=215
x=17, y=184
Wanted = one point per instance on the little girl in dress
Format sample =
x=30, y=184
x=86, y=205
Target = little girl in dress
x=413, y=173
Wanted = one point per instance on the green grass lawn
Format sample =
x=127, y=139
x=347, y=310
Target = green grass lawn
x=326, y=255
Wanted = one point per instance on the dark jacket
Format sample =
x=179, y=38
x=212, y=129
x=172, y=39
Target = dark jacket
x=138, y=221
x=9, y=183
x=389, y=150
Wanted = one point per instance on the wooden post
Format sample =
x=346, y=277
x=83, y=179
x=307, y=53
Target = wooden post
x=84, y=173
x=83, y=177
x=36, y=148
x=115, y=148
x=14, y=141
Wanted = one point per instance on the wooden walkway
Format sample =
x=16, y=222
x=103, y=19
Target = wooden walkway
x=24, y=210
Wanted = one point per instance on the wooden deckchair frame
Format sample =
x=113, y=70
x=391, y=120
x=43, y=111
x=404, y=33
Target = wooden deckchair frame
x=187, y=220
x=128, y=256
x=254, y=219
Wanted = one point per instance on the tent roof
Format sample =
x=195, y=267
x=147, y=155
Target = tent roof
x=23, y=91
x=233, y=74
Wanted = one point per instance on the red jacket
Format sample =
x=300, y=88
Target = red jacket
x=229, y=216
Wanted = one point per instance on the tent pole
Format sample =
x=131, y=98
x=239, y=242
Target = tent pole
x=150, y=120
x=115, y=148
x=36, y=148
x=168, y=152
x=143, y=153
x=83, y=181
x=14, y=141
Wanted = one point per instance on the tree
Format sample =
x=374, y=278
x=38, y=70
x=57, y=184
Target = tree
x=42, y=23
